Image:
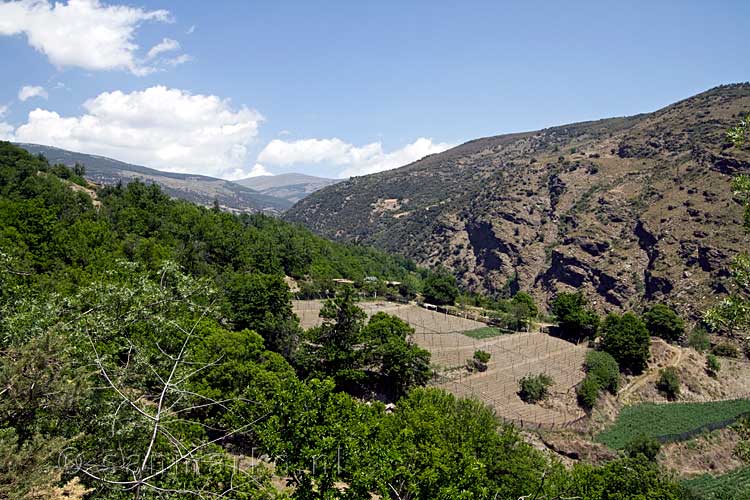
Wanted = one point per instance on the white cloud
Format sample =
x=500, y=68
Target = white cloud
x=82, y=33
x=363, y=160
x=164, y=128
x=6, y=130
x=166, y=45
x=258, y=170
x=181, y=59
x=190, y=30
x=28, y=91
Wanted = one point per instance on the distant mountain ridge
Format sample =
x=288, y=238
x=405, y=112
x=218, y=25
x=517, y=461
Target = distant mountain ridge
x=630, y=210
x=199, y=189
x=292, y=186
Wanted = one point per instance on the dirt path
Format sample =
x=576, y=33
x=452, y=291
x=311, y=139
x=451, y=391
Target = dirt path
x=649, y=375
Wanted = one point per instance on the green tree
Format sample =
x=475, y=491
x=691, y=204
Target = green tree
x=626, y=339
x=333, y=349
x=390, y=351
x=262, y=302
x=662, y=321
x=575, y=320
x=440, y=289
x=524, y=308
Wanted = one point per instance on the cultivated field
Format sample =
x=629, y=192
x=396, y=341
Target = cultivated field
x=513, y=356
x=422, y=320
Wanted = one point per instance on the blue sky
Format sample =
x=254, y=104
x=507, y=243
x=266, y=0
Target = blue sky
x=343, y=88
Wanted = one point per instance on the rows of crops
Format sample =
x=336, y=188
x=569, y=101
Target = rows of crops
x=670, y=422
x=730, y=485
x=484, y=332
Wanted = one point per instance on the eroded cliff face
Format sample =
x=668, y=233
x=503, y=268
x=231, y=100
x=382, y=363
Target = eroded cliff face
x=630, y=210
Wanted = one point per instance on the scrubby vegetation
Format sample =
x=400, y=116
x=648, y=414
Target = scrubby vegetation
x=669, y=382
x=602, y=373
x=662, y=321
x=534, y=388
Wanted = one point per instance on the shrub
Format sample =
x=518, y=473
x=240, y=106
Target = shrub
x=699, y=340
x=643, y=445
x=669, y=382
x=663, y=322
x=482, y=356
x=712, y=365
x=726, y=350
x=587, y=392
x=534, y=388
x=626, y=339
x=479, y=361
x=603, y=368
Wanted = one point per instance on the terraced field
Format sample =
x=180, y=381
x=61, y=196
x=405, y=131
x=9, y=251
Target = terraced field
x=672, y=421
x=513, y=356
x=422, y=320
x=728, y=485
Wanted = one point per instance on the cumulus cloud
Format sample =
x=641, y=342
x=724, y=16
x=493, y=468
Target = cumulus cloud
x=363, y=160
x=28, y=91
x=164, y=128
x=258, y=170
x=166, y=45
x=81, y=33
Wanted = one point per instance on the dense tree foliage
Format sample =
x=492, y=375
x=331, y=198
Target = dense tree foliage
x=626, y=338
x=148, y=350
x=440, y=289
x=576, y=320
x=662, y=321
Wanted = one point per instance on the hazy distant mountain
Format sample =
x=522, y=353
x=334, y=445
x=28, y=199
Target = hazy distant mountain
x=196, y=188
x=625, y=209
x=292, y=187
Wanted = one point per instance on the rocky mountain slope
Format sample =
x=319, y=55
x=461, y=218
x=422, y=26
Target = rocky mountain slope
x=630, y=210
x=199, y=189
x=292, y=187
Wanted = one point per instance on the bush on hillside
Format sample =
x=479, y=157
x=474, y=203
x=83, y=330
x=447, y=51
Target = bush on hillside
x=699, y=340
x=535, y=388
x=669, y=382
x=643, y=445
x=726, y=350
x=587, y=392
x=712, y=365
x=663, y=322
x=604, y=369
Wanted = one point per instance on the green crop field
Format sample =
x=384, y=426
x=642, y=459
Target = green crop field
x=484, y=332
x=665, y=420
x=731, y=485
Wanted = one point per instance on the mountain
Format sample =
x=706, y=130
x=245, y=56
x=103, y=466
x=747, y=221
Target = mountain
x=199, y=189
x=292, y=187
x=630, y=210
